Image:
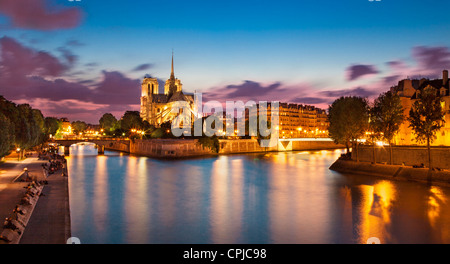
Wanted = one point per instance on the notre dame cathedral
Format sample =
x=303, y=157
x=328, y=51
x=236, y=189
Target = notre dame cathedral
x=155, y=107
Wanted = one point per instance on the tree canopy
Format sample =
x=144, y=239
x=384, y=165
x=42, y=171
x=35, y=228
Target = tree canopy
x=386, y=115
x=79, y=126
x=108, y=123
x=426, y=117
x=21, y=126
x=349, y=119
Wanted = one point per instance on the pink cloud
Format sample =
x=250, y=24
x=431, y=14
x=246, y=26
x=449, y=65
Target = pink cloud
x=34, y=14
x=18, y=61
x=357, y=71
x=37, y=77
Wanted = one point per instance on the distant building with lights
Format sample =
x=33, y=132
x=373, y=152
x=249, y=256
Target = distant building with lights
x=155, y=107
x=301, y=121
x=408, y=90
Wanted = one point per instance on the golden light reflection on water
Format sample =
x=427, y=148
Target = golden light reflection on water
x=220, y=208
x=286, y=197
x=100, y=201
x=439, y=220
x=374, y=211
x=297, y=207
x=136, y=199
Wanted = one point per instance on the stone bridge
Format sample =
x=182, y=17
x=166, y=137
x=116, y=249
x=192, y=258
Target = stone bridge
x=102, y=144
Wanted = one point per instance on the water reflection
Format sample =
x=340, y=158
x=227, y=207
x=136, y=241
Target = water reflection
x=289, y=197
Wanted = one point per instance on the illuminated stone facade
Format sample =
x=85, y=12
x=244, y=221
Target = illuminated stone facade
x=408, y=91
x=155, y=107
x=301, y=121
x=297, y=120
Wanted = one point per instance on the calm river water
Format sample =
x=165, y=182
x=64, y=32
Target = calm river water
x=286, y=197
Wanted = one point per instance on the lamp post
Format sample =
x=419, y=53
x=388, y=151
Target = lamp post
x=18, y=152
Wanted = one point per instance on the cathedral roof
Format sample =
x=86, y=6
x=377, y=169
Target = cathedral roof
x=177, y=96
x=159, y=98
x=180, y=96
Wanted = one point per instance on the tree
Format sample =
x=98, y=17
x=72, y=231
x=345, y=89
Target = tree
x=24, y=128
x=131, y=120
x=6, y=135
x=51, y=126
x=426, y=117
x=39, y=126
x=109, y=123
x=386, y=116
x=79, y=127
x=349, y=120
x=20, y=124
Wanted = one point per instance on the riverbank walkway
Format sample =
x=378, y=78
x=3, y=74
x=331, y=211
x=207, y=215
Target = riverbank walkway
x=50, y=220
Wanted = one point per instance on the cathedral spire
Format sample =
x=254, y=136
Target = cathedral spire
x=172, y=74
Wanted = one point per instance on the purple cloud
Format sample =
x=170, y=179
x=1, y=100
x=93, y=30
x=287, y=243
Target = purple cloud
x=311, y=100
x=359, y=91
x=247, y=90
x=74, y=43
x=432, y=60
x=117, y=89
x=34, y=14
x=26, y=73
x=142, y=67
x=68, y=56
x=392, y=79
x=356, y=71
x=17, y=62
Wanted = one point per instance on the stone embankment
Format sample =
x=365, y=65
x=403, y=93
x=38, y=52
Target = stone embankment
x=34, y=202
x=394, y=172
x=14, y=226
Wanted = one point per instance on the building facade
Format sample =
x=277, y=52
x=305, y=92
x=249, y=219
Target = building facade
x=156, y=108
x=302, y=121
x=408, y=90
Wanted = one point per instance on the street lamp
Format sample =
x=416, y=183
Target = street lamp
x=18, y=152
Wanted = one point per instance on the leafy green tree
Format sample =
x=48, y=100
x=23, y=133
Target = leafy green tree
x=26, y=125
x=426, y=117
x=24, y=129
x=386, y=116
x=6, y=135
x=51, y=126
x=79, y=127
x=39, y=126
x=131, y=120
x=349, y=120
x=10, y=111
x=109, y=123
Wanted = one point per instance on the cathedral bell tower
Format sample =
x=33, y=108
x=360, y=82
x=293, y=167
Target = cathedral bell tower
x=149, y=87
x=172, y=85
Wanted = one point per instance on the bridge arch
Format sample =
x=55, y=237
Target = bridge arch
x=101, y=144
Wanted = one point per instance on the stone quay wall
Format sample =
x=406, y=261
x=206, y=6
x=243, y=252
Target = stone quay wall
x=118, y=145
x=406, y=155
x=168, y=148
x=180, y=148
x=315, y=145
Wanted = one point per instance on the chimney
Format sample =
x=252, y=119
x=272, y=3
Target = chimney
x=444, y=77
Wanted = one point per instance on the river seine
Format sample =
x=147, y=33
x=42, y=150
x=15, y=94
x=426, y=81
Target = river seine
x=285, y=197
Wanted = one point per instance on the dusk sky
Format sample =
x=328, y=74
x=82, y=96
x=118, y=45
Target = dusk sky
x=81, y=59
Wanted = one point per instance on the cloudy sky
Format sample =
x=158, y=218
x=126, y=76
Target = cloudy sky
x=80, y=59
